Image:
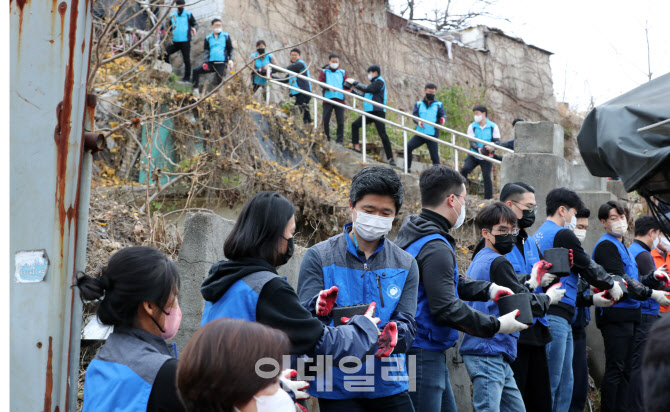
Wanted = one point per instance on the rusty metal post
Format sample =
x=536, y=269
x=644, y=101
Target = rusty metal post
x=50, y=184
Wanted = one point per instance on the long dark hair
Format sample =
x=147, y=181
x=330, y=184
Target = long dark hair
x=133, y=275
x=259, y=227
x=222, y=349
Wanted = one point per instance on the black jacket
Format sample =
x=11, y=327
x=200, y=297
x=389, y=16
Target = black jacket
x=436, y=268
x=376, y=88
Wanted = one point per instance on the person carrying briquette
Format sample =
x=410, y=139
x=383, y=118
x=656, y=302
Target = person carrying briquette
x=302, y=100
x=184, y=27
x=484, y=129
x=218, y=50
x=432, y=110
x=333, y=75
x=261, y=60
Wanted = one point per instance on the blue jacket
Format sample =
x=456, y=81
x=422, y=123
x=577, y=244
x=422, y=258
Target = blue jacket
x=389, y=277
x=260, y=62
x=630, y=267
x=218, y=48
x=181, y=26
x=545, y=239
x=649, y=306
x=485, y=133
x=122, y=374
x=523, y=264
x=334, y=78
x=430, y=335
x=499, y=344
x=431, y=112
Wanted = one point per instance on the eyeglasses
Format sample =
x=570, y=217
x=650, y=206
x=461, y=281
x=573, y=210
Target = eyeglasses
x=532, y=208
x=505, y=231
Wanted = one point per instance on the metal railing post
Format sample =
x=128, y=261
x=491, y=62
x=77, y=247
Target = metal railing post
x=267, y=93
x=363, y=139
x=453, y=141
x=316, y=114
x=404, y=142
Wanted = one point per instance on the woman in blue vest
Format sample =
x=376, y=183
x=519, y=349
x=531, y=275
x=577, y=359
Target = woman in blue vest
x=261, y=61
x=618, y=323
x=135, y=369
x=247, y=286
x=431, y=110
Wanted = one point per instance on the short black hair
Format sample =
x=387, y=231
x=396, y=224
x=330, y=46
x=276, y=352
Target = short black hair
x=295, y=49
x=514, y=191
x=375, y=68
x=656, y=367
x=133, y=275
x=377, y=180
x=563, y=197
x=430, y=86
x=333, y=55
x=180, y=2
x=646, y=223
x=517, y=120
x=604, y=209
x=583, y=213
x=214, y=20
x=480, y=108
x=437, y=183
x=493, y=214
x=258, y=43
x=259, y=227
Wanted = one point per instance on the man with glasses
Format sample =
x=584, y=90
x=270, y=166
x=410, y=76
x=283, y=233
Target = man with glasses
x=557, y=232
x=440, y=311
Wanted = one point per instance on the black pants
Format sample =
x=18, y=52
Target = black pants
x=619, y=341
x=381, y=130
x=469, y=165
x=218, y=68
x=635, y=403
x=185, y=48
x=417, y=141
x=531, y=374
x=580, y=370
x=302, y=102
x=394, y=403
x=339, y=116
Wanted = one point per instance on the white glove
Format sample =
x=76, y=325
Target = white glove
x=660, y=297
x=350, y=80
x=555, y=294
x=662, y=275
x=540, y=270
x=496, y=292
x=509, y=324
x=616, y=292
x=297, y=387
x=230, y=65
x=602, y=302
x=547, y=279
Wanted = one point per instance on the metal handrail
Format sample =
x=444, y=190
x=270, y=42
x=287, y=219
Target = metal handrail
x=383, y=120
x=400, y=112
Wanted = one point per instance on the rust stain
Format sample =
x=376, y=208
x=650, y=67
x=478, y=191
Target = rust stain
x=62, y=7
x=50, y=377
x=21, y=4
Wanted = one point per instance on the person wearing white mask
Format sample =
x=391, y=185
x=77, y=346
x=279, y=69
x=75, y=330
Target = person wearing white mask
x=335, y=76
x=441, y=308
x=366, y=267
x=484, y=129
x=619, y=322
x=217, y=54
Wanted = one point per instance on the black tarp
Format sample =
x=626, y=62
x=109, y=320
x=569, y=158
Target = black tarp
x=611, y=145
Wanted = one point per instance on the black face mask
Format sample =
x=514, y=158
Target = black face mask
x=260, y=51
x=180, y=10
x=285, y=257
x=430, y=96
x=505, y=243
x=528, y=219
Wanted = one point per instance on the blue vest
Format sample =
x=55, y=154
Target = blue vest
x=384, y=287
x=629, y=266
x=217, y=47
x=501, y=343
x=649, y=306
x=523, y=264
x=180, y=26
x=121, y=375
x=300, y=83
x=430, y=114
x=430, y=335
x=485, y=133
x=240, y=301
x=335, y=79
x=545, y=240
x=258, y=63
x=368, y=107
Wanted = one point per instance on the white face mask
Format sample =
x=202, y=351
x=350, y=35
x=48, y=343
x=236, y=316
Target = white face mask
x=371, y=76
x=280, y=401
x=665, y=242
x=218, y=30
x=581, y=234
x=461, y=216
x=334, y=66
x=570, y=225
x=372, y=227
x=656, y=241
x=619, y=227
x=478, y=118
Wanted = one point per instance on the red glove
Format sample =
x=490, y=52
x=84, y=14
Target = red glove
x=606, y=295
x=205, y=66
x=442, y=121
x=661, y=274
x=387, y=341
x=326, y=301
x=296, y=387
x=540, y=269
x=572, y=258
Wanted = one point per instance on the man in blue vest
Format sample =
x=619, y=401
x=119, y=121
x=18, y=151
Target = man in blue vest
x=557, y=232
x=218, y=50
x=484, y=129
x=376, y=91
x=335, y=76
x=431, y=110
x=441, y=312
x=619, y=322
x=183, y=26
x=299, y=66
x=366, y=267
